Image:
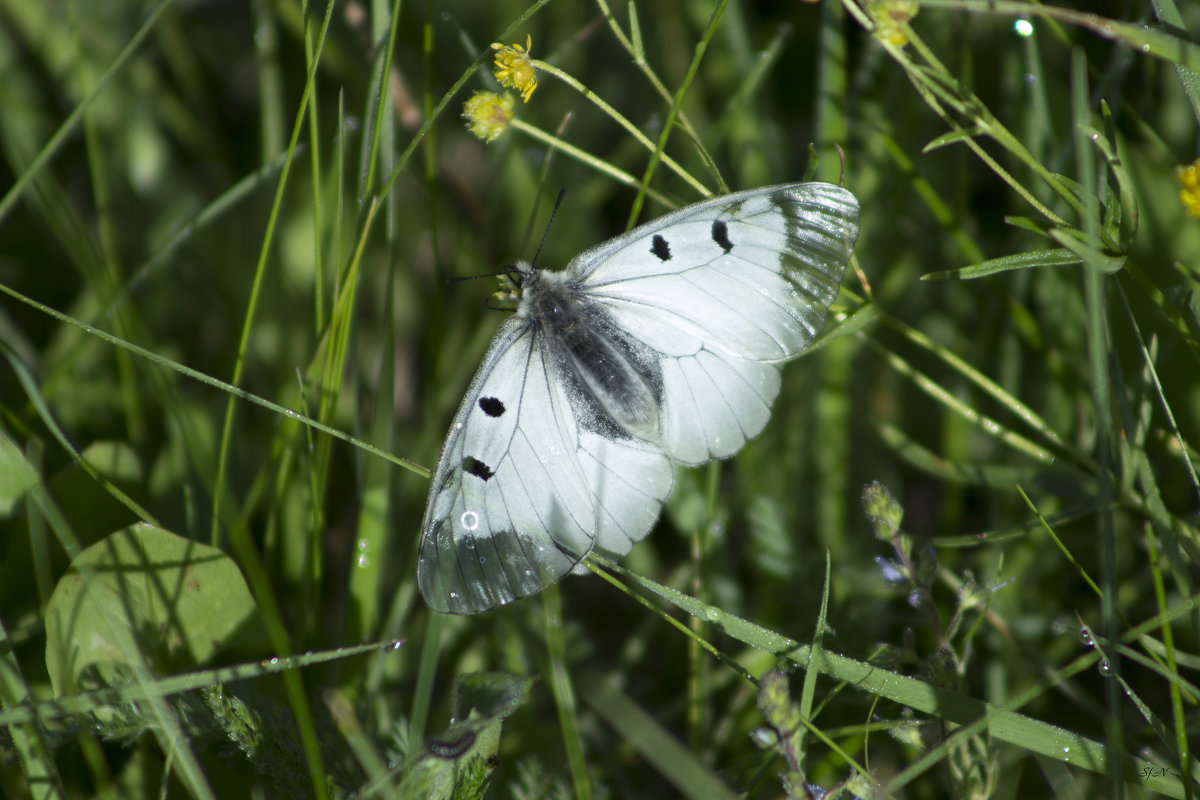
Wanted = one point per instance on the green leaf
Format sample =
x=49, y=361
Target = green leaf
x=856, y=321
x=144, y=597
x=17, y=475
x=953, y=137
x=488, y=695
x=1056, y=257
x=1077, y=243
x=115, y=460
x=1027, y=224
x=459, y=762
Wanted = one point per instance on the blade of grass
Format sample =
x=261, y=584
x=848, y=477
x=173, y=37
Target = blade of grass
x=559, y=679
x=68, y=126
x=1003, y=724
x=256, y=288
x=230, y=389
x=675, y=762
x=676, y=104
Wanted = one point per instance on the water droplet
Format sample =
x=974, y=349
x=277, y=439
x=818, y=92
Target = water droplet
x=363, y=561
x=712, y=614
x=1105, y=669
x=470, y=521
x=1085, y=636
x=763, y=737
x=554, y=450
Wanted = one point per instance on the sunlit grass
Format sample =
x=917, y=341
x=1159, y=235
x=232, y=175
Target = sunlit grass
x=958, y=563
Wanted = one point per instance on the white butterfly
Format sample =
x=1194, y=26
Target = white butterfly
x=657, y=347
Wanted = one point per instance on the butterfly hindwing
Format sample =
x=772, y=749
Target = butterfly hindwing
x=631, y=480
x=715, y=403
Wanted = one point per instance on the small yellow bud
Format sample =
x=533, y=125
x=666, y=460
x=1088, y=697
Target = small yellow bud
x=1189, y=187
x=488, y=114
x=891, y=16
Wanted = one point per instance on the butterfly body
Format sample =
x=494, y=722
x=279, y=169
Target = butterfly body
x=656, y=348
x=612, y=378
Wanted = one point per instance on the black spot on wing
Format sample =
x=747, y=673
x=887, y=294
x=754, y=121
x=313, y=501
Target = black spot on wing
x=660, y=248
x=720, y=235
x=473, y=466
x=491, y=406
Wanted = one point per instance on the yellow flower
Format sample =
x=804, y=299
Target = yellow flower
x=514, y=68
x=488, y=114
x=1189, y=183
x=890, y=18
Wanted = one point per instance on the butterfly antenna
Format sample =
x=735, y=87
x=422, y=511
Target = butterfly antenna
x=557, y=202
x=464, y=278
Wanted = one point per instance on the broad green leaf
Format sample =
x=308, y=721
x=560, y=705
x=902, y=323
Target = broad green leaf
x=144, y=596
x=115, y=460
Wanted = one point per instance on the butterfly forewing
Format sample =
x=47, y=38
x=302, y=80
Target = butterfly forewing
x=753, y=272
x=511, y=509
x=722, y=291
